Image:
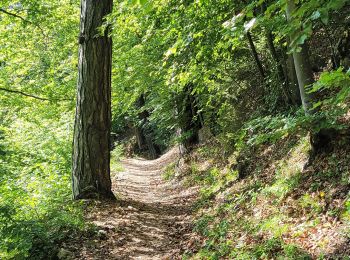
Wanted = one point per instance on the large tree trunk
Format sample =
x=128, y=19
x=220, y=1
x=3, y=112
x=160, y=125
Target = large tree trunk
x=302, y=66
x=91, y=155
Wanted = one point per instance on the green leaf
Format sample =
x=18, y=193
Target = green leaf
x=143, y=2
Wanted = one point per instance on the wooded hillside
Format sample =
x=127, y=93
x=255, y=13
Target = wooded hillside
x=253, y=94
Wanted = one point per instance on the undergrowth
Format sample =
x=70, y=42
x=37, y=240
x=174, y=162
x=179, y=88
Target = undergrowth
x=267, y=199
x=36, y=209
x=269, y=213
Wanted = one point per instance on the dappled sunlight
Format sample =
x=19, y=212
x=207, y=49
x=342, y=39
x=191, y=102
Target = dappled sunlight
x=150, y=220
x=168, y=130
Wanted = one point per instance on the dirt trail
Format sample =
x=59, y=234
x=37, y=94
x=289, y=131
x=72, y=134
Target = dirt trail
x=151, y=219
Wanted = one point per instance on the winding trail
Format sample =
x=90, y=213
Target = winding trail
x=150, y=220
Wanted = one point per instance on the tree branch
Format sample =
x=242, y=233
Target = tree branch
x=31, y=96
x=14, y=15
x=23, y=19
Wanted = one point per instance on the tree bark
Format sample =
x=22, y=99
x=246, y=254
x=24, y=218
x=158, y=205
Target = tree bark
x=292, y=78
x=91, y=145
x=302, y=66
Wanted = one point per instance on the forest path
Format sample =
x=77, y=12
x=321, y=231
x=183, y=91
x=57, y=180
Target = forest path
x=150, y=220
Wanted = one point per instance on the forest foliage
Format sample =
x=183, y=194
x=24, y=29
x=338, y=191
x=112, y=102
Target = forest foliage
x=178, y=66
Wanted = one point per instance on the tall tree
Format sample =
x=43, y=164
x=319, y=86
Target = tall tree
x=302, y=65
x=91, y=155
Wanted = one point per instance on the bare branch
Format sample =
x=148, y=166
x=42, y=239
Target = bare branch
x=30, y=95
x=23, y=19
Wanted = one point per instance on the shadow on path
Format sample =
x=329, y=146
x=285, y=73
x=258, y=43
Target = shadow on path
x=150, y=220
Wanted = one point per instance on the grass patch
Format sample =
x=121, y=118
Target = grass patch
x=169, y=172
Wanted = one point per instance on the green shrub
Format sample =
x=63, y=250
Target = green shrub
x=36, y=210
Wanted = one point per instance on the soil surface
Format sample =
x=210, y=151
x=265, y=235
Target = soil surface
x=150, y=220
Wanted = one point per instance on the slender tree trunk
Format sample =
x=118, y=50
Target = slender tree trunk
x=292, y=81
x=281, y=72
x=281, y=66
x=91, y=155
x=275, y=56
x=302, y=66
x=319, y=139
x=255, y=55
